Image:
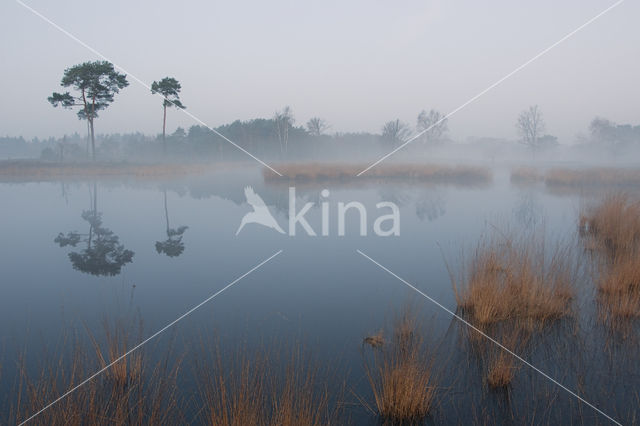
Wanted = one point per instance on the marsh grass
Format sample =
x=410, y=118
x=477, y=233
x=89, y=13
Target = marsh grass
x=517, y=279
x=514, y=287
x=613, y=225
x=402, y=372
x=268, y=386
x=526, y=175
x=136, y=392
x=31, y=170
x=612, y=230
x=304, y=172
x=619, y=288
x=593, y=177
x=501, y=366
x=118, y=339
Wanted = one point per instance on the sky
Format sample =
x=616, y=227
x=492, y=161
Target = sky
x=356, y=64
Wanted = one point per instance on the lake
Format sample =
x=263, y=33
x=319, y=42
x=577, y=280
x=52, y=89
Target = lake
x=177, y=245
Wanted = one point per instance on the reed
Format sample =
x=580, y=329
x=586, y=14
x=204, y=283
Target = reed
x=501, y=366
x=613, y=225
x=344, y=172
x=514, y=279
x=612, y=230
x=256, y=388
x=501, y=370
x=402, y=372
x=619, y=290
x=526, y=175
x=593, y=177
x=118, y=339
x=30, y=170
x=140, y=393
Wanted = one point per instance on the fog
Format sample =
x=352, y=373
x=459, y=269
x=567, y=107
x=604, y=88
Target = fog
x=357, y=65
x=284, y=212
x=602, y=143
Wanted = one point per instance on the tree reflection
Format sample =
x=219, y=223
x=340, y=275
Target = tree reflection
x=430, y=206
x=103, y=255
x=173, y=246
x=528, y=211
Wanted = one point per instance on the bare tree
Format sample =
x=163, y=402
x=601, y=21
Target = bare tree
x=317, y=126
x=530, y=126
x=395, y=131
x=433, y=124
x=284, y=120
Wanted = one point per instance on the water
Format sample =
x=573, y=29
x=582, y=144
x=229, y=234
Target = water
x=318, y=289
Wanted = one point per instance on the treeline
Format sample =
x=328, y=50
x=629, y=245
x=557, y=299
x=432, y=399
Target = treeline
x=616, y=136
x=262, y=137
x=257, y=136
x=91, y=87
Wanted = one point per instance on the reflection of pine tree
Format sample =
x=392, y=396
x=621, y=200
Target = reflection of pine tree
x=104, y=255
x=173, y=246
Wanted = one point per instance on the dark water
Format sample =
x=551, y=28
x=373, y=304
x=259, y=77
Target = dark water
x=318, y=289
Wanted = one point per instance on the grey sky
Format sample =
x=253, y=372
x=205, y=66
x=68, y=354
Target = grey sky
x=357, y=64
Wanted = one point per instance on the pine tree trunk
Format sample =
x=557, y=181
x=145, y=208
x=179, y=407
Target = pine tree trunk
x=93, y=141
x=164, y=126
x=88, y=137
x=93, y=137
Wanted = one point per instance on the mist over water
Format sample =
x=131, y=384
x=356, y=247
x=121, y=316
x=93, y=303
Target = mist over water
x=162, y=246
x=293, y=214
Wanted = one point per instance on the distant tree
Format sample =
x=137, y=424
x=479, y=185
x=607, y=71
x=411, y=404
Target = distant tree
x=169, y=88
x=433, y=124
x=602, y=130
x=531, y=126
x=96, y=83
x=613, y=135
x=317, y=126
x=283, y=121
x=395, y=131
x=179, y=133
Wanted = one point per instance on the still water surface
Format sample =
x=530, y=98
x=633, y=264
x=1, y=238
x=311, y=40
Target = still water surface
x=176, y=245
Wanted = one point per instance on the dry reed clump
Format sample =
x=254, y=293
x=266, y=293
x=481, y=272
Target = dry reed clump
x=127, y=371
x=501, y=370
x=619, y=290
x=612, y=228
x=402, y=373
x=426, y=172
x=516, y=280
x=43, y=171
x=526, y=175
x=140, y=393
x=256, y=390
x=613, y=225
x=375, y=340
x=593, y=177
x=501, y=366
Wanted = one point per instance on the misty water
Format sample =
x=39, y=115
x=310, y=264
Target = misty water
x=179, y=247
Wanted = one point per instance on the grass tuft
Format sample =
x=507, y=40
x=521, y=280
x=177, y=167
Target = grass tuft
x=257, y=389
x=515, y=279
x=402, y=373
x=612, y=230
